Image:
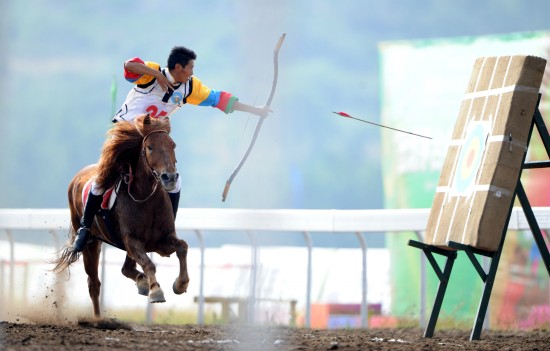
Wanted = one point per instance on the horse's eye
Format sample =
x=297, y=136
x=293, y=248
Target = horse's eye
x=150, y=148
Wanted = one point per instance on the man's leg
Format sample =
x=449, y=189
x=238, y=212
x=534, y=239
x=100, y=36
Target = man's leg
x=175, y=197
x=90, y=210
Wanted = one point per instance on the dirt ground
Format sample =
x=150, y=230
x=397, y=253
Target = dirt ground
x=114, y=335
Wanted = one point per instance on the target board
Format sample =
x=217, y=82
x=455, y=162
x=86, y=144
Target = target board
x=486, y=152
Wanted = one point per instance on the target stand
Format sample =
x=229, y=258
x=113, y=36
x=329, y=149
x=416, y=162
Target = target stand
x=488, y=278
x=481, y=176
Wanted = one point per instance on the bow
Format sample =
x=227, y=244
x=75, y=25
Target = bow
x=261, y=119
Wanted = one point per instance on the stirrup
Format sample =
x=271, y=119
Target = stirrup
x=82, y=236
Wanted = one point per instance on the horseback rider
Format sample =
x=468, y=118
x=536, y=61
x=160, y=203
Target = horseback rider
x=160, y=92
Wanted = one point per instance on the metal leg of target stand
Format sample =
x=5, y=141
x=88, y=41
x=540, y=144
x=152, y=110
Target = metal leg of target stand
x=443, y=277
x=488, y=279
x=522, y=196
x=489, y=282
x=535, y=229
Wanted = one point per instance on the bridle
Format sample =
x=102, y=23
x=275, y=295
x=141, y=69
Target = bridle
x=129, y=177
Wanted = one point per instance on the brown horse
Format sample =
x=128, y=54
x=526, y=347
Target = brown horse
x=138, y=156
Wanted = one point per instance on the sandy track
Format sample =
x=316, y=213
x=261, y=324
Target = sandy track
x=110, y=335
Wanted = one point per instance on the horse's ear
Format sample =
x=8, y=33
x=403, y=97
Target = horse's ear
x=147, y=119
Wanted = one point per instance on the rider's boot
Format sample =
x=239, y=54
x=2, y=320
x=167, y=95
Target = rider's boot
x=92, y=207
x=175, y=199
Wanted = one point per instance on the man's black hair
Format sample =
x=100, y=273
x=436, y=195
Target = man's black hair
x=181, y=55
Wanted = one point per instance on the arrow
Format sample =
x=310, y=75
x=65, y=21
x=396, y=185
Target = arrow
x=343, y=114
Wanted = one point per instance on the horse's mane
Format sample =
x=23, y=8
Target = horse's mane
x=123, y=146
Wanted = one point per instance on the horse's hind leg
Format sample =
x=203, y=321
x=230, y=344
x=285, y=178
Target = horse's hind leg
x=140, y=256
x=90, y=256
x=129, y=270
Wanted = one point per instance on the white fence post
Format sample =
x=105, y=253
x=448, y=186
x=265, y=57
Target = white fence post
x=12, y=267
x=253, y=275
x=309, y=244
x=201, y=277
x=364, y=304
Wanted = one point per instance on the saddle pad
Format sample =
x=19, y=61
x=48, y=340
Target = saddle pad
x=109, y=196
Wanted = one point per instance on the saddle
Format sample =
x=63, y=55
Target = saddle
x=109, y=197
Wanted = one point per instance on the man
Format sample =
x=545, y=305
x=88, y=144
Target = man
x=160, y=92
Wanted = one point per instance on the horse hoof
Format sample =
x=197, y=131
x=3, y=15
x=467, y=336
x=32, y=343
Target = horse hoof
x=143, y=286
x=156, y=296
x=179, y=291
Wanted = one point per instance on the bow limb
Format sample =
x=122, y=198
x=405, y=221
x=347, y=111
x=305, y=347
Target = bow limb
x=260, y=120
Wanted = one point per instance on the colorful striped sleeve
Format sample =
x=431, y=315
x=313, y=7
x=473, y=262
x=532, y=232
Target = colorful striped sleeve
x=140, y=78
x=201, y=95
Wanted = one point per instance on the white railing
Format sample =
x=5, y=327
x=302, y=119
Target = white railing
x=359, y=222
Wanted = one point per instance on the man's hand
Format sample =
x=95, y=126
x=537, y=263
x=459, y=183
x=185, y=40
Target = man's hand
x=163, y=82
x=262, y=111
x=140, y=68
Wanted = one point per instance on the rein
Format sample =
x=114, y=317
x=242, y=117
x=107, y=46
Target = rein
x=129, y=177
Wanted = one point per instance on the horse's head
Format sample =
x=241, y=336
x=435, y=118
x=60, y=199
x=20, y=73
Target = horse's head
x=158, y=149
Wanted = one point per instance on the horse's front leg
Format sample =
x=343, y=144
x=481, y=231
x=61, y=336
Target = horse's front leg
x=90, y=256
x=138, y=254
x=182, y=281
x=172, y=244
x=129, y=270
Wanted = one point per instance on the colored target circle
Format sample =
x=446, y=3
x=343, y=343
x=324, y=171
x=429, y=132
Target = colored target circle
x=469, y=159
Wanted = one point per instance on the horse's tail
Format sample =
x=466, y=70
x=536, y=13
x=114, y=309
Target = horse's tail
x=66, y=256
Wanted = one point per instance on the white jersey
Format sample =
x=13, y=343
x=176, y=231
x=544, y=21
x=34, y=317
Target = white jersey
x=150, y=98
